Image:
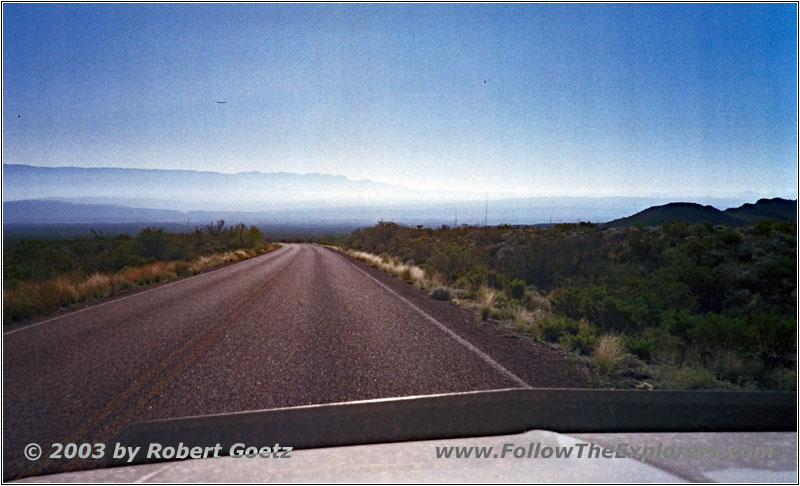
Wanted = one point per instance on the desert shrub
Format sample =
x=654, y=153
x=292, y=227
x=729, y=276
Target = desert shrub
x=718, y=331
x=440, y=293
x=450, y=259
x=516, y=289
x=471, y=278
x=553, y=326
x=406, y=254
x=775, y=332
x=583, y=342
x=640, y=346
x=152, y=242
x=495, y=280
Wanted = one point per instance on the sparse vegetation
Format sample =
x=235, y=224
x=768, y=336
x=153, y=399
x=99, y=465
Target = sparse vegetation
x=673, y=306
x=40, y=277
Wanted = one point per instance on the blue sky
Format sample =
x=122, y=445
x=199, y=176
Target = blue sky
x=540, y=99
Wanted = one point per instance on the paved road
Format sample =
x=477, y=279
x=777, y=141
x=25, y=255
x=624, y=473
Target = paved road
x=300, y=325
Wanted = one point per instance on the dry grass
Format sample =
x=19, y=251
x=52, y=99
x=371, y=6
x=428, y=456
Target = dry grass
x=537, y=302
x=522, y=319
x=147, y=274
x=486, y=300
x=97, y=285
x=609, y=353
x=34, y=298
x=409, y=273
x=437, y=280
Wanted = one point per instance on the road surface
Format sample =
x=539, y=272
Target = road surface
x=300, y=325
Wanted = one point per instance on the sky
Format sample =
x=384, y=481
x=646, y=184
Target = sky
x=514, y=99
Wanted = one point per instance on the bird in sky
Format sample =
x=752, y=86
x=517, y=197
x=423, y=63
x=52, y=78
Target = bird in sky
x=221, y=102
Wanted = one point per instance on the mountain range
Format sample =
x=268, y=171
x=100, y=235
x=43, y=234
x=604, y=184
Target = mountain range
x=201, y=189
x=776, y=208
x=71, y=195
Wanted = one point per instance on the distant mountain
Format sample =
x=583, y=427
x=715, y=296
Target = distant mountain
x=780, y=209
x=43, y=212
x=777, y=208
x=267, y=190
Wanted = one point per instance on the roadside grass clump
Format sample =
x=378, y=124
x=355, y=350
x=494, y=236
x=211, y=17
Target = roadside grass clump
x=522, y=319
x=608, y=353
x=409, y=273
x=372, y=260
x=216, y=259
x=63, y=288
x=148, y=274
x=412, y=274
x=96, y=286
x=182, y=269
x=486, y=301
x=31, y=298
x=436, y=279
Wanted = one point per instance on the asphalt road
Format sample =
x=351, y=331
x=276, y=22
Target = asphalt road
x=300, y=325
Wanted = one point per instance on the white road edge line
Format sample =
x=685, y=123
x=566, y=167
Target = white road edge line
x=494, y=364
x=95, y=306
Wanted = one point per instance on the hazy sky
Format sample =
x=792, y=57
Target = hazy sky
x=533, y=99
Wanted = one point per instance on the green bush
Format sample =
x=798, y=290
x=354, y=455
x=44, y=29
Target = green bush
x=583, y=342
x=152, y=242
x=717, y=331
x=450, y=260
x=516, y=289
x=495, y=280
x=471, y=278
x=553, y=326
x=639, y=346
x=406, y=254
